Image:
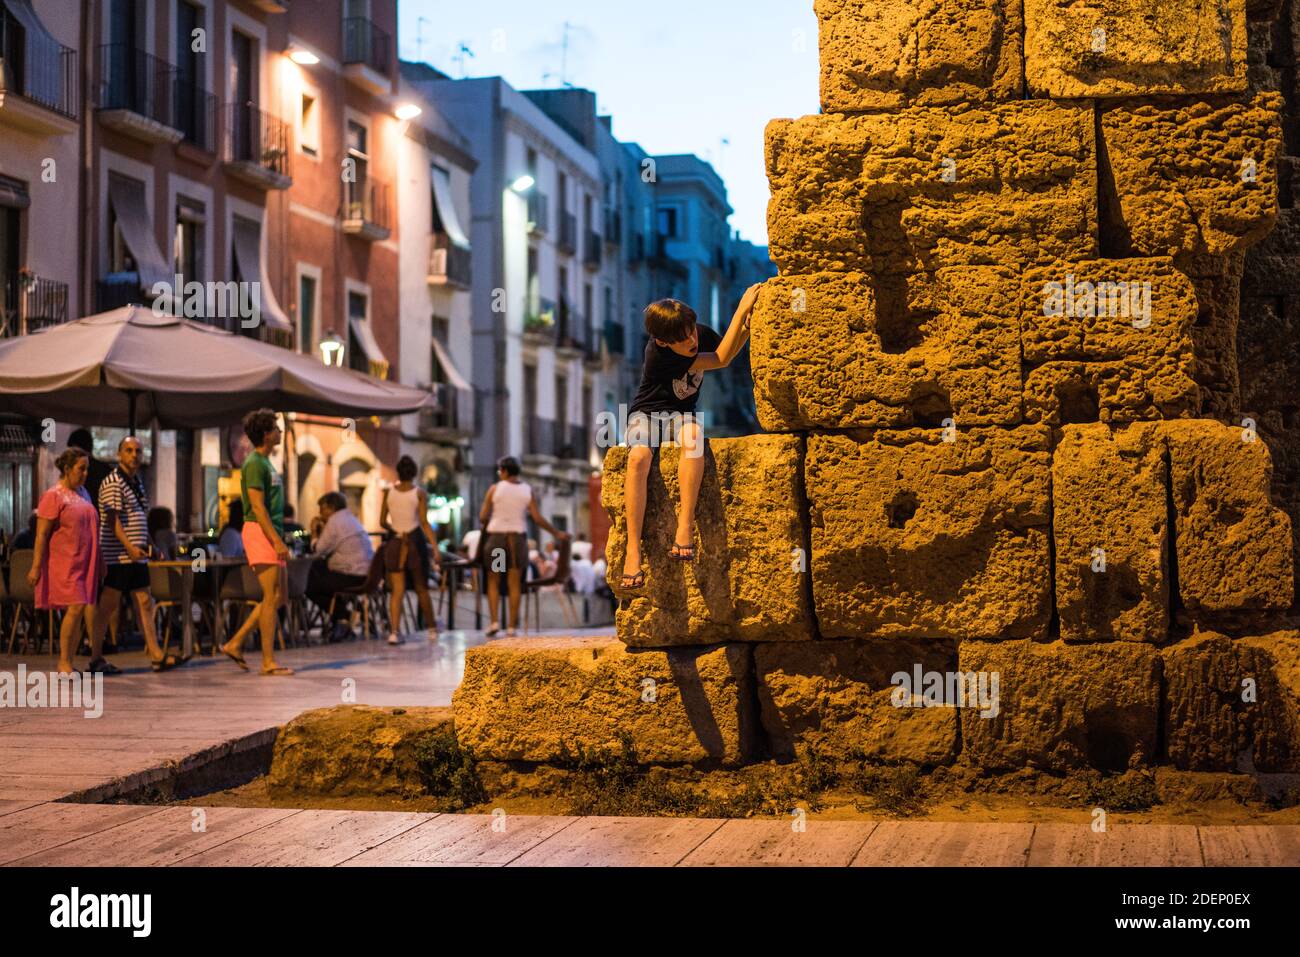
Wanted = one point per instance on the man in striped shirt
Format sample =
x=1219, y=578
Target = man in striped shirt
x=124, y=544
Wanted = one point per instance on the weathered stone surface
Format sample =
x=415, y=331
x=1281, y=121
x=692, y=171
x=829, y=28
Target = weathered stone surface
x=552, y=699
x=1214, y=337
x=747, y=582
x=837, y=350
x=1110, y=530
x=913, y=536
x=1193, y=179
x=1233, y=704
x=834, y=698
x=1233, y=546
x=883, y=55
x=1108, y=340
x=925, y=188
x=1064, y=706
x=1091, y=48
x=354, y=749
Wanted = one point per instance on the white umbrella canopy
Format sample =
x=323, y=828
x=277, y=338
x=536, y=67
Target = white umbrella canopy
x=184, y=374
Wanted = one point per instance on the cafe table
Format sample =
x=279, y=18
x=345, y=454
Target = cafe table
x=187, y=570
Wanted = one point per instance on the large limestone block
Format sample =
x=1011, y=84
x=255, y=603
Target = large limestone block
x=554, y=699
x=925, y=188
x=748, y=582
x=354, y=750
x=883, y=55
x=1233, y=704
x=1092, y=48
x=1214, y=336
x=1192, y=179
x=1233, y=546
x=1108, y=340
x=835, y=698
x=1064, y=706
x=1110, y=531
x=915, y=536
x=838, y=350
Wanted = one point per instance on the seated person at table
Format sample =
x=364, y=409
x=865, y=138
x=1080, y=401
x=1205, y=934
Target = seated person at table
x=231, y=541
x=343, y=555
x=294, y=533
x=162, y=533
x=27, y=537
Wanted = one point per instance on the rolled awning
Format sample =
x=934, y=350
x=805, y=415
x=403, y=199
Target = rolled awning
x=448, y=367
x=127, y=198
x=248, y=254
x=13, y=193
x=446, y=208
x=361, y=329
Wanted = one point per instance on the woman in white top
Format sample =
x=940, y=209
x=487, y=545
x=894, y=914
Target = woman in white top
x=405, y=513
x=505, y=513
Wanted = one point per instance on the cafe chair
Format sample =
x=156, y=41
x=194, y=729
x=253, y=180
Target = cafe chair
x=533, y=589
x=300, y=613
x=240, y=587
x=166, y=588
x=369, y=593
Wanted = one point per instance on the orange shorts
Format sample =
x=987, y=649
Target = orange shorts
x=257, y=549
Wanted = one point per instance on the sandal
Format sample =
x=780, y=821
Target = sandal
x=279, y=671
x=165, y=663
x=633, y=582
x=682, y=553
x=102, y=666
x=237, y=659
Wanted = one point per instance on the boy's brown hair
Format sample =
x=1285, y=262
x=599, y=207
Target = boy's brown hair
x=669, y=320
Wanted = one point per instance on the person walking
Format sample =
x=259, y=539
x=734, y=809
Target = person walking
x=66, y=566
x=505, y=512
x=262, y=498
x=124, y=543
x=405, y=513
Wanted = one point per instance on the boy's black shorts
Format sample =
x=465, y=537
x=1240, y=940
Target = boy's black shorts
x=656, y=428
x=126, y=577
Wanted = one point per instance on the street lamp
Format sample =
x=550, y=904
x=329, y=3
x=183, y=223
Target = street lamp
x=331, y=350
x=523, y=184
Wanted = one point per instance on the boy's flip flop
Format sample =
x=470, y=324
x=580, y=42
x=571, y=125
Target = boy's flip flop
x=237, y=659
x=165, y=663
x=633, y=582
x=278, y=671
x=682, y=553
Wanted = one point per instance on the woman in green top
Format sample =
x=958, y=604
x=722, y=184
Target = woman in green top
x=262, y=534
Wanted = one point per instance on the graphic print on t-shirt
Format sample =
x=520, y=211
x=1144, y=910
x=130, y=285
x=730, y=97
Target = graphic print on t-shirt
x=688, y=384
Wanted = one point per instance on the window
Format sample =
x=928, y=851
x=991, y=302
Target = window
x=306, y=314
x=357, y=136
x=563, y=189
x=309, y=125
x=668, y=222
x=530, y=162
x=586, y=304
x=530, y=386
x=188, y=245
x=358, y=306
x=562, y=406
x=534, y=293
x=440, y=331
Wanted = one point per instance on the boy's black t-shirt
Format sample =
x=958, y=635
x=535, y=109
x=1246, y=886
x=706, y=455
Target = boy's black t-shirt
x=666, y=383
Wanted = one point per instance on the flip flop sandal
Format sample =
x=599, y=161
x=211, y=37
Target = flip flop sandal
x=682, y=553
x=237, y=659
x=277, y=672
x=166, y=663
x=633, y=582
x=102, y=666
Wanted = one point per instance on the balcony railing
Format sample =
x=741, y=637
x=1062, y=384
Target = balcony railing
x=49, y=79
x=29, y=303
x=636, y=252
x=614, y=338
x=541, y=437
x=450, y=263
x=568, y=231
x=613, y=226
x=138, y=82
x=115, y=293
x=591, y=255
x=196, y=115
x=366, y=208
x=454, y=412
x=256, y=139
x=573, y=442
x=539, y=212
x=365, y=43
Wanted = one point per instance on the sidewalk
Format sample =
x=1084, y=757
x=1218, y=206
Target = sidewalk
x=123, y=835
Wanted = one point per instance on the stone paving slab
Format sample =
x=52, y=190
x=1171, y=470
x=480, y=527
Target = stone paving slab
x=1121, y=845
x=621, y=842
x=308, y=839
x=760, y=843
x=49, y=825
x=1251, y=845
x=464, y=839
x=945, y=844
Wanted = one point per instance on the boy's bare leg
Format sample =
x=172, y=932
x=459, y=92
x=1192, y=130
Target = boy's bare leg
x=690, y=474
x=634, y=482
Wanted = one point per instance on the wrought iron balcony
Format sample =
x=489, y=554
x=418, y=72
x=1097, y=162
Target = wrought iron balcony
x=37, y=72
x=136, y=94
x=593, y=251
x=568, y=240
x=366, y=209
x=452, y=417
x=539, y=212
x=257, y=146
x=29, y=302
x=367, y=52
x=450, y=263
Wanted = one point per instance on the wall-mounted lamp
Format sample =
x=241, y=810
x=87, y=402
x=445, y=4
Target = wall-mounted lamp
x=331, y=350
x=523, y=184
x=303, y=57
x=407, y=111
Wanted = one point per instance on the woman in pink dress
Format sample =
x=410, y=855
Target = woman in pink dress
x=65, y=567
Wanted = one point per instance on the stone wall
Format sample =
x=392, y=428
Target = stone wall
x=1030, y=370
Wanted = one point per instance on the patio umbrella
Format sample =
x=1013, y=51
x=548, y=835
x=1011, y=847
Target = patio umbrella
x=130, y=365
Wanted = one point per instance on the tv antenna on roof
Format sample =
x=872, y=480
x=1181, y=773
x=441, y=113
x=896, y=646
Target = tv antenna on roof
x=463, y=52
x=419, y=38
